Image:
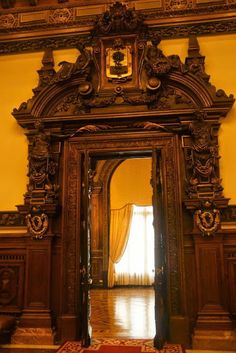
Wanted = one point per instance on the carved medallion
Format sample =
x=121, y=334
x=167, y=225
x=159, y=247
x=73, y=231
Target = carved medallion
x=207, y=219
x=37, y=224
x=7, y=21
x=118, y=61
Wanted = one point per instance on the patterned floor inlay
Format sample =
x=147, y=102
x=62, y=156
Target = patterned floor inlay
x=119, y=346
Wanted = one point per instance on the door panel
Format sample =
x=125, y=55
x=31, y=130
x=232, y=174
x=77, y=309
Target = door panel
x=159, y=222
x=161, y=310
x=85, y=248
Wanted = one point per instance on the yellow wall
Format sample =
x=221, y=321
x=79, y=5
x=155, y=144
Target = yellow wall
x=220, y=53
x=130, y=183
x=18, y=77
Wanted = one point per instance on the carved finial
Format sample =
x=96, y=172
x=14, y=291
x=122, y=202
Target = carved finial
x=48, y=60
x=119, y=18
x=195, y=62
x=193, y=47
x=47, y=70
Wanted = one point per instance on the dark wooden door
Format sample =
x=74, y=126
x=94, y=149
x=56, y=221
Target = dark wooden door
x=86, y=180
x=160, y=283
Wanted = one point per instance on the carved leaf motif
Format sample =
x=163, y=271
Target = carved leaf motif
x=64, y=106
x=91, y=128
x=148, y=125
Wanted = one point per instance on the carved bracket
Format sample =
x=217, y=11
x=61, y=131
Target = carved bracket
x=201, y=159
x=43, y=164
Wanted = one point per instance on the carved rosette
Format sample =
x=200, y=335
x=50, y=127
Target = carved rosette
x=60, y=16
x=8, y=21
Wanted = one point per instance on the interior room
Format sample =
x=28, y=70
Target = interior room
x=127, y=294
x=117, y=183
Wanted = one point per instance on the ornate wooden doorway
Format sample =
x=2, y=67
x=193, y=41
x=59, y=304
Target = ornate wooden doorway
x=123, y=94
x=162, y=148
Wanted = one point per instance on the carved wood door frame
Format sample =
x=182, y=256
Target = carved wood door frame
x=85, y=247
x=167, y=145
x=160, y=283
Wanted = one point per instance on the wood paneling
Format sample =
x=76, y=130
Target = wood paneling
x=212, y=306
x=36, y=310
x=12, y=267
x=191, y=285
x=231, y=280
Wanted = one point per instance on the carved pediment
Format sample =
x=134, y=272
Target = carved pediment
x=122, y=81
x=121, y=68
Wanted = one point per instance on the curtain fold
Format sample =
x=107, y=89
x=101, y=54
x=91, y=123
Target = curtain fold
x=136, y=267
x=120, y=221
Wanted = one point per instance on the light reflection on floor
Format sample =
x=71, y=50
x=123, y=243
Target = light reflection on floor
x=123, y=313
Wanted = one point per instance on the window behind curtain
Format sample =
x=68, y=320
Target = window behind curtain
x=136, y=267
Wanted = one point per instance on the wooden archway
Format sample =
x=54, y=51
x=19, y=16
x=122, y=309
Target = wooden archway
x=123, y=93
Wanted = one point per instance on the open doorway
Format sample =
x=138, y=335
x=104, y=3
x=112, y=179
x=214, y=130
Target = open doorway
x=97, y=169
x=124, y=305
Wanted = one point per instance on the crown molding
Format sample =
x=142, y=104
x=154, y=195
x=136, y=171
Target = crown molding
x=36, y=28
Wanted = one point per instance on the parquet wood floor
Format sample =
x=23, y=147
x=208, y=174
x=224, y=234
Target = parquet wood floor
x=115, y=313
x=124, y=313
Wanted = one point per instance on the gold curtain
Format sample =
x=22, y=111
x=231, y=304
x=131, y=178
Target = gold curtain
x=120, y=221
x=136, y=267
